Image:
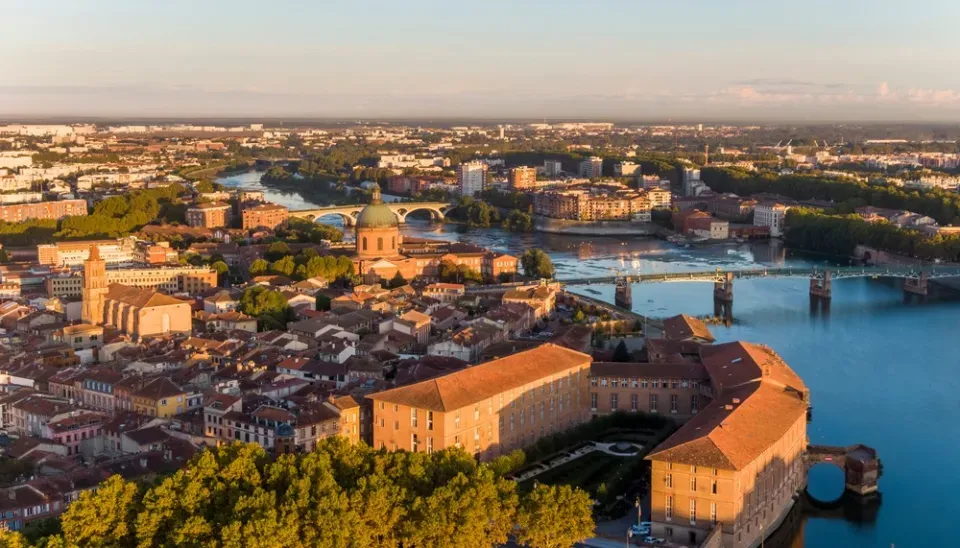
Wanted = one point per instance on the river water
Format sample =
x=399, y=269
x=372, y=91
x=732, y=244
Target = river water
x=881, y=371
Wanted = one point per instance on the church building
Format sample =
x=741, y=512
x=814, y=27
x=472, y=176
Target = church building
x=131, y=310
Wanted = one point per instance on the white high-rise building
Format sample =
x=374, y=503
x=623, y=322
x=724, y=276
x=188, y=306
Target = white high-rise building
x=592, y=167
x=471, y=177
x=552, y=168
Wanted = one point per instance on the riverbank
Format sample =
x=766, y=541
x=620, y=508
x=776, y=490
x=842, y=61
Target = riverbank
x=594, y=228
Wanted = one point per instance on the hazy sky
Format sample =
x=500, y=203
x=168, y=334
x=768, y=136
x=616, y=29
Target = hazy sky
x=631, y=59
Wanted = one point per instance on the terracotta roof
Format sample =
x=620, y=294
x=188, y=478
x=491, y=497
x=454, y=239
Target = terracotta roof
x=158, y=388
x=140, y=298
x=683, y=327
x=475, y=384
x=758, y=398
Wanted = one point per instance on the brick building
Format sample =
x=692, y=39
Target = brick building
x=264, y=216
x=523, y=177
x=489, y=409
x=209, y=215
x=15, y=213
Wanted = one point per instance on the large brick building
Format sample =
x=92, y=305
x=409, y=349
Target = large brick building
x=738, y=461
x=264, y=216
x=209, y=215
x=489, y=409
x=15, y=213
x=523, y=177
x=171, y=279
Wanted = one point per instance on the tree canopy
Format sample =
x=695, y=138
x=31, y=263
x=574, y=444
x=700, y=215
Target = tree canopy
x=269, y=306
x=340, y=495
x=537, y=264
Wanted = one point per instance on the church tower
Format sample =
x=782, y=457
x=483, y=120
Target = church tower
x=94, y=287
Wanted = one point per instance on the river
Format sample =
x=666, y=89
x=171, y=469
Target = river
x=881, y=371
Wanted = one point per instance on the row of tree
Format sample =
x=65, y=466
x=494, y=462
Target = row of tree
x=847, y=193
x=306, y=264
x=118, y=216
x=840, y=234
x=340, y=495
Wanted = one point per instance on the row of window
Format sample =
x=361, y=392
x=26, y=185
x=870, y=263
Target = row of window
x=668, y=483
x=668, y=510
x=644, y=383
x=653, y=402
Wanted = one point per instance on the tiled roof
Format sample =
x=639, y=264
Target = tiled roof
x=475, y=384
x=683, y=327
x=649, y=370
x=140, y=298
x=758, y=398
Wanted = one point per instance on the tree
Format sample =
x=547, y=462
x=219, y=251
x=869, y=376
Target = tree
x=4, y=256
x=579, y=316
x=621, y=354
x=554, y=516
x=259, y=267
x=397, y=281
x=104, y=517
x=221, y=268
x=323, y=302
x=340, y=494
x=270, y=307
x=284, y=266
x=277, y=251
x=204, y=186
x=537, y=264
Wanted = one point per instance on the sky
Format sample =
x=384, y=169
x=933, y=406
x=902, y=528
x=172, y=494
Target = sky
x=657, y=60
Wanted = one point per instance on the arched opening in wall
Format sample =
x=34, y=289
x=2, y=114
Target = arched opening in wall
x=826, y=483
x=379, y=244
x=424, y=216
x=337, y=220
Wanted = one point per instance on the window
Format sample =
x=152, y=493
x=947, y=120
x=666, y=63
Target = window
x=633, y=402
x=613, y=402
x=713, y=487
x=511, y=423
x=693, y=483
x=713, y=513
x=653, y=403
x=379, y=244
x=675, y=384
x=668, y=481
x=476, y=412
x=714, y=472
x=396, y=425
x=693, y=511
x=643, y=383
x=364, y=243
x=593, y=382
x=413, y=417
x=521, y=418
x=694, y=403
x=456, y=419
x=673, y=403
x=396, y=408
x=393, y=242
x=501, y=424
x=655, y=383
x=603, y=382
x=615, y=383
x=693, y=469
x=668, y=508
x=429, y=420
x=414, y=442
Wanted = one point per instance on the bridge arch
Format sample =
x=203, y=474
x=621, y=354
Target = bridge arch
x=436, y=213
x=347, y=218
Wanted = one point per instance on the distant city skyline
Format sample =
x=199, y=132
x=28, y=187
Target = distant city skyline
x=695, y=60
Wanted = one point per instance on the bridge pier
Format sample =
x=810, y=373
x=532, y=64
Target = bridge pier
x=723, y=287
x=860, y=464
x=820, y=286
x=623, y=297
x=916, y=285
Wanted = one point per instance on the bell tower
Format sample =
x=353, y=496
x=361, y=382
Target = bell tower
x=94, y=287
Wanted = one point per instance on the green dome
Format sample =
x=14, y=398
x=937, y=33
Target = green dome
x=377, y=214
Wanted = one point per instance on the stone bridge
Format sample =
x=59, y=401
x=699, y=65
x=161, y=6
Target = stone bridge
x=349, y=213
x=860, y=464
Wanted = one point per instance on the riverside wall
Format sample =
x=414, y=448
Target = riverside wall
x=594, y=228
